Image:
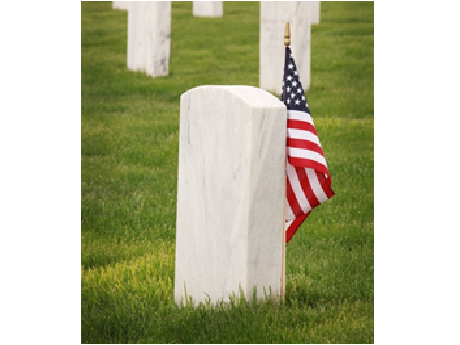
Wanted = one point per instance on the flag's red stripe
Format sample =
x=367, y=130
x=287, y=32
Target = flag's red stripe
x=307, y=190
x=325, y=184
x=307, y=163
x=292, y=200
x=305, y=126
x=328, y=178
x=304, y=144
x=291, y=230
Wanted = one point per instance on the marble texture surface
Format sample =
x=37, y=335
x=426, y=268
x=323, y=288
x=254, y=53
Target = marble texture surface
x=273, y=16
x=315, y=7
x=149, y=37
x=229, y=226
x=121, y=5
x=207, y=8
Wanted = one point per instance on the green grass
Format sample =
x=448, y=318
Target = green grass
x=129, y=156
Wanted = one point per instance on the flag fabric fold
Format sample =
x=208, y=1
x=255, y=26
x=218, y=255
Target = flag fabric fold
x=308, y=183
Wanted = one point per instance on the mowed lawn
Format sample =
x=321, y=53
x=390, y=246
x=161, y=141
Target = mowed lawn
x=129, y=161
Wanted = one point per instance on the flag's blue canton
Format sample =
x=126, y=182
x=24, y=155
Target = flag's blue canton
x=292, y=87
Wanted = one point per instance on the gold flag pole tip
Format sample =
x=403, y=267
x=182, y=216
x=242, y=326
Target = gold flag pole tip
x=287, y=35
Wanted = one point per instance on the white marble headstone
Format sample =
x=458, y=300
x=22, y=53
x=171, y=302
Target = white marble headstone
x=207, y=8
x=149, y=37
x=229, y=228
x=273, y=16
x=315, y=12
x=121, y=5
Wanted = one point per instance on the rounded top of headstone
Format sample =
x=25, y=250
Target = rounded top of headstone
x=252, y=96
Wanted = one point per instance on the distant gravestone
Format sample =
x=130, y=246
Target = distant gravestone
x=149, y=37
x=230, y=227
x=315, y=12
x=273, y=16
x=207, y=8
x=121, y=5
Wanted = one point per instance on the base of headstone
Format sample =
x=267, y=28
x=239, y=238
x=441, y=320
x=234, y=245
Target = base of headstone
x=120, y=5
x=315, y=12
x=149, y=37
x=207, y=8
x=230, y=198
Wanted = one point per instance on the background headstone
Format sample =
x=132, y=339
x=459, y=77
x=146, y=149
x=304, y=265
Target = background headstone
x=273, y=16
x=315, y=12
x=229, y=228
x=121, y=5
x=207, y=8
x=149, y=37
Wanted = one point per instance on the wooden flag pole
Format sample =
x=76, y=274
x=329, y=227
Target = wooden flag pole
x=287, y=43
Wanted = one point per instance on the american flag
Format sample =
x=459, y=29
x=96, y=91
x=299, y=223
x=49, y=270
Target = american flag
x=308, y=181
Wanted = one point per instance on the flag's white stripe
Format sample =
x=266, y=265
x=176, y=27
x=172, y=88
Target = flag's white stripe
x=300, y=116
x=289, y=214
x=297, y=188
x=287, y=224
x=301, y=153
x=301, y=134
x=315, y=185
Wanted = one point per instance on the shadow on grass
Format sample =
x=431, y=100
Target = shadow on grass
x=302, y=296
